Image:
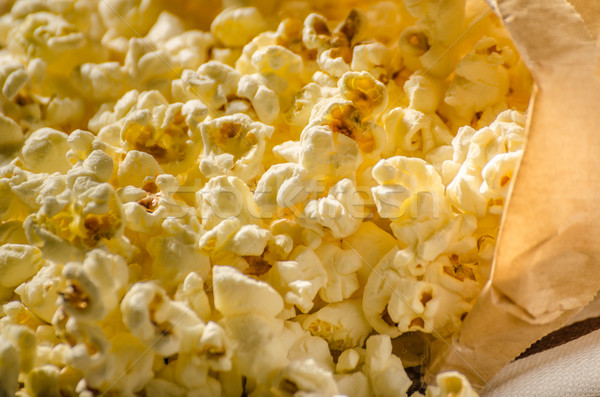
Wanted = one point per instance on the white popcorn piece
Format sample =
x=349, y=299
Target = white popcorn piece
x=424, y=92
x=263, y=99
x=373, y=58
x=341, y=212
x=414, y=133
x=489, y=157
x=45, y=151
x=341, y=324
x=384, y=370
x=341, y=266
x=368, y=95
x=482, y=79
x=189, y=49
x=136, y=167
x=12, y=134
x=213, y=82
x=164, y=133
x=281, y=186
x=449, y=383
x=241, y=139
x=260, y=352
x=315, y=33
x=300, y=277
x=235, y=27
x=409, y=188
x=25, y=343
x=158, y=322
x=355, y=384
x=325, y=153
x=94, y=287
x=9, y=367
x=347, y=361
x=236, y=294
x=225, y=197
x=41, y=292
x=312, y=347
x=175, y=254
x=18, y=263
x=344, y=117
x=42, y=379
x=304, y=377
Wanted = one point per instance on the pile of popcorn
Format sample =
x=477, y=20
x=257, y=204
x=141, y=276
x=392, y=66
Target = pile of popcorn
x=285, y=201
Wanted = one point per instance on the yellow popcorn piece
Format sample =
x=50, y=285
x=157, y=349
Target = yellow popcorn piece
x=312, y=347
x=367, y=94
x=236, y=294
x=300, y=277
x=341, y=266
x=384, y=370
x=94, y=288
x=451, y=382
x=303, y=376
x=235, y=27
x=9, y=367
x=18, y=263
x=165, y=134
x=160, y=323
x=45, y=151
x=41, y=292
x=482, y=79
x=341, y=324
x=490, y=157
x=238, y=139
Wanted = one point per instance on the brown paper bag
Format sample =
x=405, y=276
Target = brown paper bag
x=547, y=263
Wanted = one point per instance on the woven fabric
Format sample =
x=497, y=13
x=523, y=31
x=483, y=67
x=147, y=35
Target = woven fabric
x=569, y=370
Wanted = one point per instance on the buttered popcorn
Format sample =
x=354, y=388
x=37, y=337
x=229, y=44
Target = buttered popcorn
x=271, y=203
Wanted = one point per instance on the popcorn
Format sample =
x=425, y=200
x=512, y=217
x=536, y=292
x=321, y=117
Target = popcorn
x=252, y=211
x=341, y=324
x=346, y=118
x=305, y=378
x=414, y=133
x=45, y=151
x=367, y=94
x=482, y=79
x=12, y=133
x=165, y=133
x=341, y=266
x=312, y=347
x=41, y=292
x=237, y=26
x=214, y=83
x=300, y=277
x=339, y=212
x=155, y=320
x=451, y=383
x=236, y=294
x=18, y=263
x=9, y=367
x=94, y=287
x=489, y=157
x=324, y=153
x=384, y=370
x=238, y=139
